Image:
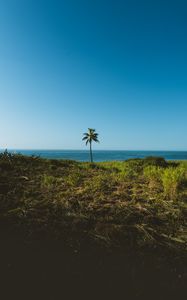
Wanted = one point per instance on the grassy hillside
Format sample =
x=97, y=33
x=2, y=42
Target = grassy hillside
x=135, y=203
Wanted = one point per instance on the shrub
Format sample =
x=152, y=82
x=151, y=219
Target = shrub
x=155, y=161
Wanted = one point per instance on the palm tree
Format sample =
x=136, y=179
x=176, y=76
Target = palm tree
x=90, y=136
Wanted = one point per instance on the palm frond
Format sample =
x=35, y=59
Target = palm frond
x=90, y=136
x=84, y=138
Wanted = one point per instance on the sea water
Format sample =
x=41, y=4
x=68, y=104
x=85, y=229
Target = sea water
x=102, y=155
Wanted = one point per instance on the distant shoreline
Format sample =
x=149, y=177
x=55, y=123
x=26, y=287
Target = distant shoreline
x=101, y=155
x=86, y=150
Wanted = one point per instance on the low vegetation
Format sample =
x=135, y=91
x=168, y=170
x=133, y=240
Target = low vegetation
x=135, y=203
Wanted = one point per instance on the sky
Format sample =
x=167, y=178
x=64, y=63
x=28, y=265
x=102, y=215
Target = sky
x=117, y=66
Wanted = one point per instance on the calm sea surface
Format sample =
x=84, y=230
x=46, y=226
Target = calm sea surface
x=103, y=155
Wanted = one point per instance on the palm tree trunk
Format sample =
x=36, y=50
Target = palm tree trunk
x=91, y=156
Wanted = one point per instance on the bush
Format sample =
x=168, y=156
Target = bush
x=155, y=161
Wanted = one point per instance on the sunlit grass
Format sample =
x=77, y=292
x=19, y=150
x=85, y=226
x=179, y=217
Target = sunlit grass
x=134, y=202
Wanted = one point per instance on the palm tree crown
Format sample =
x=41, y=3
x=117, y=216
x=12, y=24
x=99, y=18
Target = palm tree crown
x=90, y=136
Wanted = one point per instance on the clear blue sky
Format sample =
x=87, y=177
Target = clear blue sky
x=117, y=66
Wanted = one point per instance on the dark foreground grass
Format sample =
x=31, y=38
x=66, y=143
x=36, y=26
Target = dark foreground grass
x=137, y=203
x=101, y=229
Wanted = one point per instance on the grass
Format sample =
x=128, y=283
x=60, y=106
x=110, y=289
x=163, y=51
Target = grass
x=139, y=203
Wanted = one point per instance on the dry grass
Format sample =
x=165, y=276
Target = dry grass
x=137, y=203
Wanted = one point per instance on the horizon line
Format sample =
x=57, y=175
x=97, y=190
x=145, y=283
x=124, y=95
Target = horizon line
x=61, y=149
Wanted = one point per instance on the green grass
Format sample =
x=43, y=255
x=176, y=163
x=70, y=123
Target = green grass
x=136, y=203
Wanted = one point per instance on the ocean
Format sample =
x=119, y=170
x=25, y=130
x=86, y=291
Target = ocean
x=102, y=155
